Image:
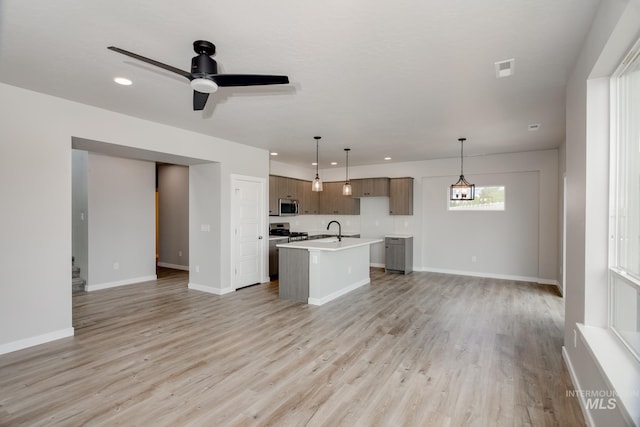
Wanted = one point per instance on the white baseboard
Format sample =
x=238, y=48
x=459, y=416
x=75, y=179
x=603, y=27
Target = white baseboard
x=334, y=295
x=210, y=290
x=576, y=385
x=376, y=264
x=489, y=275
x=121, y=283
x=174, y=266
x=37, y=340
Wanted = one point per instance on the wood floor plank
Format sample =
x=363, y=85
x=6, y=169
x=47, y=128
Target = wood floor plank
x=425, y=349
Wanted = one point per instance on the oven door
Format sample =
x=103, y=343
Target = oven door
x=287, y=207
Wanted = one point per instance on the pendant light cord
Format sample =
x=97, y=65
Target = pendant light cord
x=347, y=165
x=461, y=156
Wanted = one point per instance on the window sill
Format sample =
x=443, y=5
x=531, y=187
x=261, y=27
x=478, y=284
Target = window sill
x=619, y=368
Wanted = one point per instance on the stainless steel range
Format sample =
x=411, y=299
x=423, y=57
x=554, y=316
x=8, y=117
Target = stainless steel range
x=278, y=232
x=283, y=229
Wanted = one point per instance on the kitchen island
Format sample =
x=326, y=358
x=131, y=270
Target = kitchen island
x=318, y=271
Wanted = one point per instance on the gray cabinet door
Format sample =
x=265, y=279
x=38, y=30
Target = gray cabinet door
x=399, y=254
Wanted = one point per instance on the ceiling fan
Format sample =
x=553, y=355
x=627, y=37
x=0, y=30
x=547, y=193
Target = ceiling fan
x=204, y=75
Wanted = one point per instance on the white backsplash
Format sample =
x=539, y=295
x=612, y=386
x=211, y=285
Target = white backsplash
x=374, y=221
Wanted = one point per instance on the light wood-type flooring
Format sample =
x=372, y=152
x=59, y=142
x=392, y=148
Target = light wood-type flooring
x=418, y=350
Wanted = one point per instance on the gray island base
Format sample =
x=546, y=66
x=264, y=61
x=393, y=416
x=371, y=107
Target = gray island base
x=318, y=271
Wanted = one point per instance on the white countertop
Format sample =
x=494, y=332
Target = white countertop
x=399, y=236
x=329, y=244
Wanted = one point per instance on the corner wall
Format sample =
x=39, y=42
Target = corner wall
x=35, y=181
x=615, y=28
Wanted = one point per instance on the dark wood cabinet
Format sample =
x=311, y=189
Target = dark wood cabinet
x=401, y=196
x=274, y=253
x=332, y=202
x=370, y=187
x=287, y=187
x=310, y=200
x=273, y=195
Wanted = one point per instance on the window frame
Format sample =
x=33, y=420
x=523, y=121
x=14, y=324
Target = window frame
x=478, y=191
x=615, y=271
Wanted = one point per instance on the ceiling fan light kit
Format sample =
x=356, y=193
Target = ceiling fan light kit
x=462, y=189
x=204, y=85
x=204, y=75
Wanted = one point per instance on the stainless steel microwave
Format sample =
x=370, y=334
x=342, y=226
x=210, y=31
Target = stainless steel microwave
x=287, y=207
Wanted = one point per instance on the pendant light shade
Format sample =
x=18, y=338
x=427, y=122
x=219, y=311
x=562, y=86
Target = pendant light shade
x=316, y=185
x=346, y=188
x=462, y=189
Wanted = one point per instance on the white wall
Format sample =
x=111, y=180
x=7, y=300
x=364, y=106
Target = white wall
x=488, y=243
x=374, y=220
x=121, y=221
x=615, y=28
x=80, y=207
x=35, y=183
x=173, y=216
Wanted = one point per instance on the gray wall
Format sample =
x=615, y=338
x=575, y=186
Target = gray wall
x=79, y=210
x=173, y=216
x=121, y=221
x=615, y=28
x=36, y=186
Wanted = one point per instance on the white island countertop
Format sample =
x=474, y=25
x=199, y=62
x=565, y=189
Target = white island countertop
x=329, y=244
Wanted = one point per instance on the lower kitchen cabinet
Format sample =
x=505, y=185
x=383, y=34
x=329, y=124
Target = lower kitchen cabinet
x=274, y=255
x=398, y=253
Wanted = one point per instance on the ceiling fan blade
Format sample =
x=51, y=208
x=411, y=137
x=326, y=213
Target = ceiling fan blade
x=199, y=100
x=248, y=79
x=152, y=62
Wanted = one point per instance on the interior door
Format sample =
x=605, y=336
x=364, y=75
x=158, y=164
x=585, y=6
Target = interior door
x=248, y=234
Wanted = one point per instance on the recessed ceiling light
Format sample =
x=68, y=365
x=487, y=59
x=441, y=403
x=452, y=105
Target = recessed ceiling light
x=314, y=164
x=122, y=81
x=273, y=154
x=505, y=68
x=334, y=163
x=534, y=126
x=387, y=158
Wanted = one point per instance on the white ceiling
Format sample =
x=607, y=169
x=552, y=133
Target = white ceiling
x=403, y=79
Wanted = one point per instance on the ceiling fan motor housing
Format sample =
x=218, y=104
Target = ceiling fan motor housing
x=203, y=65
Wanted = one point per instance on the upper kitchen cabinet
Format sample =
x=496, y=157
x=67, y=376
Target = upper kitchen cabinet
x=370, y=187
x=287, y=188
x=332, y=202
x=273, y=195
x=401, y=196
x=310, y=200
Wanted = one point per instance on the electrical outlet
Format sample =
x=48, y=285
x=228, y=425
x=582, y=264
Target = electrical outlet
x=197, y=269
x=575, y=339
x=116, y=265
x=474, y=259
x=179, y=253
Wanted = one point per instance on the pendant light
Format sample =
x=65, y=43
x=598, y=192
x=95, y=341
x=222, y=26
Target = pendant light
x=462, y=190
x=316, y=185
x=346, y=188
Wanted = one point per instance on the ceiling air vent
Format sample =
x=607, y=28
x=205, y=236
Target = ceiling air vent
x=505, y=68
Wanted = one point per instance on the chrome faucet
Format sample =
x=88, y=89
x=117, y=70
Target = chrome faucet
x=339, y=229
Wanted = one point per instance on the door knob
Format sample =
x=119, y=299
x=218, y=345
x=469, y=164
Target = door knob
x=259, y=237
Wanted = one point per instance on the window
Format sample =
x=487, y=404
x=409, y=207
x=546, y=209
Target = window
x=624, y=276
x=487, y=199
